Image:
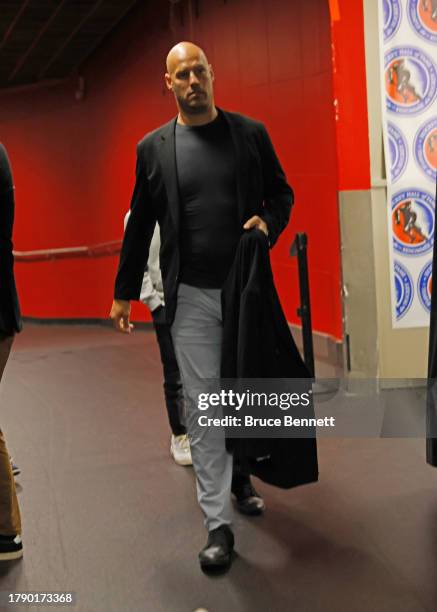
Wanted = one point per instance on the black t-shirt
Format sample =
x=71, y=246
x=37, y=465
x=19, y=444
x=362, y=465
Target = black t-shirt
x=210, y=227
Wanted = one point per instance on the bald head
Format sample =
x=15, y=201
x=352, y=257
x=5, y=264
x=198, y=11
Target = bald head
x=190, y=77
x=181, y=52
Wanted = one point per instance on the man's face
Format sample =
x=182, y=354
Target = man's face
x=191, y=82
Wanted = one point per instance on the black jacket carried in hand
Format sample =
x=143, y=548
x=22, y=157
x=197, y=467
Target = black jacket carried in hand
x=257, y=343
x=262, y=190
x=10, y=320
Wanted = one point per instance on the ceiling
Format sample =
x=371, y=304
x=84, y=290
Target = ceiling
x=42, y=40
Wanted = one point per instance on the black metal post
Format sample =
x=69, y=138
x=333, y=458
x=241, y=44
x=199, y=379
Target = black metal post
x=299, y=248
x=431, y=405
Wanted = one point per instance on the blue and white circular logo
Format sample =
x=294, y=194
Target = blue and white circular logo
x=410, y=80
x=412, y=214
x=404, y=290
x=422, y=15
x=398, y=151
x=425, y=148
x=424, y=286
x=392, y=17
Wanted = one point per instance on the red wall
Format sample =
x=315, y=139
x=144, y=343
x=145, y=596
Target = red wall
x=74, y=161
x=349, y=80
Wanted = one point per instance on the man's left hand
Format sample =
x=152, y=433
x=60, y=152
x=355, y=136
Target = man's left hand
x=258, y=223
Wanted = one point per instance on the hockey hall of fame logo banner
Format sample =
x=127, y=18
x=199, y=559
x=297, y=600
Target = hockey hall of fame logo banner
x=408, y=35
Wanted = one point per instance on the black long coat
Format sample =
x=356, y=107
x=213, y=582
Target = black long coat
x=10, y=320
x=257, y=343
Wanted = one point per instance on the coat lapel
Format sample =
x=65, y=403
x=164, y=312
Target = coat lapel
x=167, y=158
x=241, y=162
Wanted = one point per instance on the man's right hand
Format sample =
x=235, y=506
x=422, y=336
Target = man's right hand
x=120, y=313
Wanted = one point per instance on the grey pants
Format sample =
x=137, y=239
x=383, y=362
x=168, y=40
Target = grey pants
x=197, y=337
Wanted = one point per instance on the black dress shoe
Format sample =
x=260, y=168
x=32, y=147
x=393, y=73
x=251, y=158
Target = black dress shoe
x=217, y=554
x=248, y=501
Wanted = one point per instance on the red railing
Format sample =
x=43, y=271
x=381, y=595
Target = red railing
x=98, y=250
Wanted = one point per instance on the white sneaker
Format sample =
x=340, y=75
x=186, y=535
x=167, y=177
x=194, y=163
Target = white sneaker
x=180, y=449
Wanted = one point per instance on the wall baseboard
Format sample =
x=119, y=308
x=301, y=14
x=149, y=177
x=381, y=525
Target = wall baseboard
x=327, y=350
x=328, y=353
x=101, y=322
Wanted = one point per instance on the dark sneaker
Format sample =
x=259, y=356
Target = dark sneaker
x=217, y=554
x=11, y=547
x=248, y=501
x=14, y=467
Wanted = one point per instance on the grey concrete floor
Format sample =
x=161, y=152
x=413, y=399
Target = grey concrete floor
x=108, y=515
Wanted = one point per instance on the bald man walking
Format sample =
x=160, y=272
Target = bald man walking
x=206, y=176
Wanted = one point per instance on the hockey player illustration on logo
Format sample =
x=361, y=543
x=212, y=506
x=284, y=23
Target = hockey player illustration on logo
x=406, y=217
x=410, y=80
x=428, y=10
x=412, y=222
x=399, y=83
